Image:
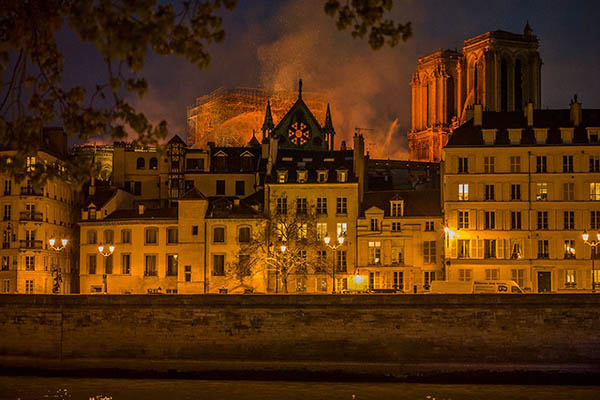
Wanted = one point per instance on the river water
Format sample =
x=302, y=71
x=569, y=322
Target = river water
x=34, y=388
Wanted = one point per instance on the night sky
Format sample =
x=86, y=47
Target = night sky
x=273, y=43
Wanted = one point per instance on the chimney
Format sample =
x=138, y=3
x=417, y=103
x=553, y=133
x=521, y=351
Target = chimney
x=529, y=113
x=236, y=202
x=477, y=115
x=273, y=143
x=140, y=209
x=359, y=165
x=343, y=146
x=576, y=114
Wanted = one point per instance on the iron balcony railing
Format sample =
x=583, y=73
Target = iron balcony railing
x=30, y=244
x=31, y=216
x=29, y=191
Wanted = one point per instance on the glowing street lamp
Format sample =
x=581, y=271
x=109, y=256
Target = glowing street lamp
x=56, y=270
x=340, y=243
x=58, y=247
x=106, y=251
x=593, y=244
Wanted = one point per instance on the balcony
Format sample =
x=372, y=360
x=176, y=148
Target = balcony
x=6, y=245
x=29, y=191
x=31, y=216
x=30, y=244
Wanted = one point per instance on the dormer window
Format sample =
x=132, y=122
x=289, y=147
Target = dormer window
x=322, y=175
x=397, y=208
x=342, y=175
x=220, y=162
x=593, y=135
x=247, y=162
x=282, y=175
x=302, y=174
x=92, y=212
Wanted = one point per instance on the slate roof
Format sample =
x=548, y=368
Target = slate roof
x=101, y=196
x=312, y=161
x=401, y=175
x=469, y=135
x=233, y=163
x=417, y=203
x=232, y=207
x=149, y=213
x=193, y=194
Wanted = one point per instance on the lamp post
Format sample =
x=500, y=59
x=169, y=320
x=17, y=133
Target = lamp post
x=56, y=270
x=448, y=236
x=339, y=243
x=106, y=252
x=592, y=243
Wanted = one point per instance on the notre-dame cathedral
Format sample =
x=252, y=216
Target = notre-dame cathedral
x=499, y=70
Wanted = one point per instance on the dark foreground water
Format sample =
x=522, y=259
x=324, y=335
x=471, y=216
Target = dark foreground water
x=33, y=388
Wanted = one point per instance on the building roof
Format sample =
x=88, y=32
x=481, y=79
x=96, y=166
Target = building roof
x=193, y=194
x=417, y=203
x=233, y=207
x=313, y=161
x=469, y=135
x=102, y=196
x=233, y=157
x=385, y=175
x=149, y=213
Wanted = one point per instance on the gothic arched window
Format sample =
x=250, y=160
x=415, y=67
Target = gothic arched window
x=153, y=163
x=518, y=86
x=141, y=163
x=503, y=85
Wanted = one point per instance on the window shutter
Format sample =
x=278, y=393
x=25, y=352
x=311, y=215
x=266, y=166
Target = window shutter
x=479, y=248
x=480, y=220
x=455, y=163
x=500, y=248
x=472, y=219
x=453, y=249
x=473, y=248
x=562, y=278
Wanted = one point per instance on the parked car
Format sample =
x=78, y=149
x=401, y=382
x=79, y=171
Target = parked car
x=457, y=287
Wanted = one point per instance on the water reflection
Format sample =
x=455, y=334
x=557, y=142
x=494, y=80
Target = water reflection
x=34, y=388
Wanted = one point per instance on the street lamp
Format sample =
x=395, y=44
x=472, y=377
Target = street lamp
x=56, y=270
x=106, y=252
x=592, y=243
x=339, y=243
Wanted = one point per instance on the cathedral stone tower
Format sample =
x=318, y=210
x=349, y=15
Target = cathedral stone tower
x=499, y=70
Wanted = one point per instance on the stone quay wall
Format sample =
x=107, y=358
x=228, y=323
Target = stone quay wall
x=237, y=335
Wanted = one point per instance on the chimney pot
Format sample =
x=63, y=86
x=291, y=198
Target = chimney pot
x=529, y=114
x=477, y=115
x=140, y=209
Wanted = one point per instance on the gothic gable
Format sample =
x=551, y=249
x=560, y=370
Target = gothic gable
x=299, y=129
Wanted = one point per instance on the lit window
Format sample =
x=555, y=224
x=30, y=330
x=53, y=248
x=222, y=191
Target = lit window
x=463, y=192
x=342, y=175
x=570, y=278
x=321, y=230
x=374, y=252
x=342, y=229
x=302, y=173
x=569, y=249
x=541, y=193
x=397, y=208
x=595, y=191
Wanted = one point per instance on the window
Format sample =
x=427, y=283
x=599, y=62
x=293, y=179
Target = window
x=244, y=264
x=515, y=164
x=492, y=274
x=594, y=219
x=463, y=220
x=29, y=286
x=464, y=248
x=108, y=264
x=301, y=284
x=540, y=164
x=150, y=265
x=567, y=163
x=397, y=208
x=91, y=237
x=342, y=175
x=220, y=187
x=219, y=234
x=569, y=191
x=515, y=220
x=429, y=226
x=374, y=225
x=463, y=165
x=240, y=188
x=516, y=249
x=220, y=162
x=374, y=279
x=542, y=219
x=398, y=254
x=321, y=284
x=398, y=280
x=543, y=249
x=218, y=265
x=322, y=205
x=172, y=264
x=465, y=275
x=125, y=236
x=244, y=234
x=595, y=191
x=30, y=164
x=515, y=192
x=282, y=205
x=541, y=193
x=321, y=230
x=569, y=249
x=153, y=163
x=7, y=187
x=374, y=252
x=342, y=229
x=594, y=163
x=141, y=163
x=301, y=205
x=428, y=277
x=30, y=263
x=151, y=236
x=109, y=236
x=342, y=205
x=518, y=275
x=194, y=230
x=137, y=188
x=7, y=212
x=5, y=263
x=126, y=264
x=321, y=259
x=281, y=176
x=341, y=263
x=490, y=192
x=463, y=191
x=188, y=273
x=91, y=264
x=570, y=278
x=172, y=235
x=195, y=163
x=489, y=164
x=302, y=231
x=395, y=226
x=6, y=286
x=321, y=176
x=301, y=175
x=490, y=220
x=569, y=220
x=429, y=252
x=489, y=248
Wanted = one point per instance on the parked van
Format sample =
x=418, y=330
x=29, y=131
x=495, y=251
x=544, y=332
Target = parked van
x=458, y=287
